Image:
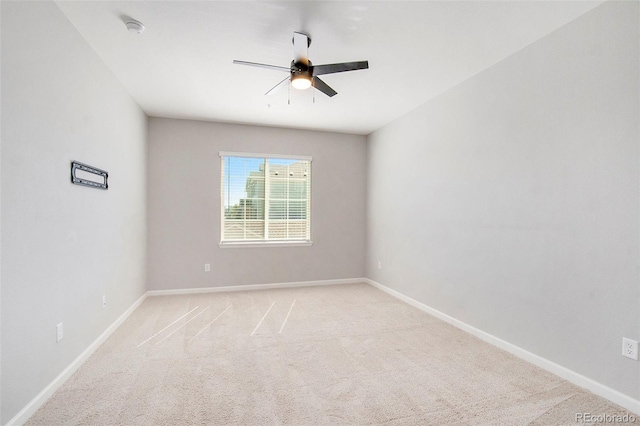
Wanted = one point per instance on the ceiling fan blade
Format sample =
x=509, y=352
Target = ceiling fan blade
x=279, y=86
x=255, y=64
x=323, y=87
x=300, y=48
x=345, y=66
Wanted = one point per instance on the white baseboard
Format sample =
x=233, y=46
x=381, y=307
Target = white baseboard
x=254, y=287
x=45, y=394
x=619, y=398
x=612, y=395
x=24, y=414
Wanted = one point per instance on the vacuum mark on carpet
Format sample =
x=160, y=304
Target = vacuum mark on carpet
x=287, y=317
x=167, y=326
x=192, y=318
x=207, y=326
x=265, y=315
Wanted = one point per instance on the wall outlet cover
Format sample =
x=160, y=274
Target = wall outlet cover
x=630, y=348
x=59, y=332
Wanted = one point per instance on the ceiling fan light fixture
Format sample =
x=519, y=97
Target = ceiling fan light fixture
x=301, y=81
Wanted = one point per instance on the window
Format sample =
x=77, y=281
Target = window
x=265, y=199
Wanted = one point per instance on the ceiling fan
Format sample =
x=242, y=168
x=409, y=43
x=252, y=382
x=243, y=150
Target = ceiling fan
x=302, y=74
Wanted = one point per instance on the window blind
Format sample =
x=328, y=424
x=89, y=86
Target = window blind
x=265, y=198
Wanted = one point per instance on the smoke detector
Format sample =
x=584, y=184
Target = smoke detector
x=134, y=26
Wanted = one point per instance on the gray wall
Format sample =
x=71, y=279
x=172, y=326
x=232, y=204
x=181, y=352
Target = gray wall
x=184, y=206
x=63, y=246
x=511, y=201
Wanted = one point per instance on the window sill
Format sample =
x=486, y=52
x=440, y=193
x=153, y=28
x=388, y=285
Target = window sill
x=264, y=244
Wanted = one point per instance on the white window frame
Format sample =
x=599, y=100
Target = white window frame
x=263, y=243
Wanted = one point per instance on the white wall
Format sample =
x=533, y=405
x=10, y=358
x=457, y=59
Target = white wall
x=184, y=206
x=63, y=245
x=511, y=202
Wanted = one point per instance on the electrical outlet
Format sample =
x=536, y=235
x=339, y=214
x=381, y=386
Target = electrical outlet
x=59, y=332
x=630, y=348
x=379, y=265
x=104, y=301
x=207, y=267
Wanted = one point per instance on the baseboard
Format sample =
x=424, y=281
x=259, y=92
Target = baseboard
x=619, y=398
x=254, y=287
x=612, y=395
x=45, y=394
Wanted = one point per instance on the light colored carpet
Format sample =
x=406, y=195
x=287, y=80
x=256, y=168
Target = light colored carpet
x=346, y=354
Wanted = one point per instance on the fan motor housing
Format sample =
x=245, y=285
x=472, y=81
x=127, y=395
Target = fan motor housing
x=300, y=67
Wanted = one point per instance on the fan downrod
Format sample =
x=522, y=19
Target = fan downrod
x=308, y=40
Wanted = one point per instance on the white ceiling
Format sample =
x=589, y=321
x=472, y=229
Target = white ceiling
x=181, y=66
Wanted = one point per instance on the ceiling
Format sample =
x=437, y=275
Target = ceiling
x=181, y=65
